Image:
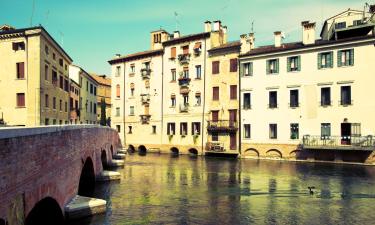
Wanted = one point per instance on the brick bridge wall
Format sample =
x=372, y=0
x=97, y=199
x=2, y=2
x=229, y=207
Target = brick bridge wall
x=41, y=162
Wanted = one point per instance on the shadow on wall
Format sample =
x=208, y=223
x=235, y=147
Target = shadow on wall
x=46, y=211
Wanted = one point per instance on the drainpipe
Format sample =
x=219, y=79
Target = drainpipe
x=162, y=99
x=123, y=115
x=239, y=106
x=204, y=93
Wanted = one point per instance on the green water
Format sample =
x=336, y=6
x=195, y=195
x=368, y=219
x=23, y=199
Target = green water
x=161, y=189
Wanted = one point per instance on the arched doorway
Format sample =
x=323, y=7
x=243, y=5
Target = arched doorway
x=142, y=149
x=46, y=211
x=131, y=149
x=193, y=151
x=103, y=158
x=175, y=150
x=87, y=179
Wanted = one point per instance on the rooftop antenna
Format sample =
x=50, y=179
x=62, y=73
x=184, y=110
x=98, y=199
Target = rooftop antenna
x=176, y=21
x=252, y=26
x=32, y=13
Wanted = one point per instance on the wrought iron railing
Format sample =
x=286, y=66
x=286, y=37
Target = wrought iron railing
x=184, y=107
x=184, y=58
x=183, y=81
x=145, y=73
x=345, y=142
x=222, y=125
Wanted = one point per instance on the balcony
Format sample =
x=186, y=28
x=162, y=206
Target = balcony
x=364, y=143
x=222, y=126
x=184, y=107
x=145, y=119
x=183, y=81
x=184, y=58
x=145, y=98
x=145, y=73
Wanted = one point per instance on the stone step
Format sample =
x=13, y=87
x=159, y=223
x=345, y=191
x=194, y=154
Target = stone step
x=108, y=176
x=81, y=206
x=119, y=156
x=116, y=163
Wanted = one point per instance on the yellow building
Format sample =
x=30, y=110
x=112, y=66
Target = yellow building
x=75, y=90
x=222, y=94
x=103, y=92
x=34, y=78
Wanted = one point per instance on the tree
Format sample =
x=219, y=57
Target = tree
x=103, y=117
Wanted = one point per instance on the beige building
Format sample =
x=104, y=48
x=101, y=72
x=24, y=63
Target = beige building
x=34, y=78
x=88, y=100
x=222, y=94
x=75, y=90
x=103, y=92
x=313, y=94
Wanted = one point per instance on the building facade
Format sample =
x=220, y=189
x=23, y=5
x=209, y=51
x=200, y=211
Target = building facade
x=34, y=79
x=88, y=99
x=74, y=103
x=103, y=95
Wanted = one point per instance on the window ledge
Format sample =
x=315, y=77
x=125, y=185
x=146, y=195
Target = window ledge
x=20, y=78
x=20, y=107
x=197, y=78
x=325, y=68
x=294, y=71
x=245, y=76
x=345, y=66
x=172, y=107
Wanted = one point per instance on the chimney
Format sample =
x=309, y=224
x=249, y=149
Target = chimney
x=217, y=25
x=176, y=34
x=277, y=35
x=308, y=33
x=225, y=34
x=207, y=26
x=245, y=45
x=6, y=27
x=251, y=40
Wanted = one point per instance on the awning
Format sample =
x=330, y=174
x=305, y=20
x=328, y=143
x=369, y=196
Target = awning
x=197, y=45
x=184, y=91
x=198, y=93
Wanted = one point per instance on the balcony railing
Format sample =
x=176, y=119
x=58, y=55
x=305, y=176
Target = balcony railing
x=145, y=119
x=184, y=107
x=184, y=58
x=365, y=143
x=222, y=126
x=183, y=81
x=215, y=146
x=145, y=73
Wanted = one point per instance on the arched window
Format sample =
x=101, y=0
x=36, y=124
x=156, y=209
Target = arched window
x=118, y=91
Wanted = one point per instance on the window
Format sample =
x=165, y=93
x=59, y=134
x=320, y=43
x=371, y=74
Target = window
x=132, y=68
x=294, y=63
x=248, y=69
x=60, y=105
x=61, y=62
x=198, y=99
x=325, y=130
x=20, y=99
x=233, y=92
x=90, y=107
x=173, y=52
x=195, y=128
x=171, y=128
x=66, y=106
x=46, y=101
x=346, y=98
x=117, y=91
x=247, y=101
x=233, y=65
x=197, y=48
x=215, y=137
x=186, y=99
x=173, y=100
x=273, y=131
x=153, y=129
x=54, y=102
x=61, y=82
x=46, y=50
x=46, y=121
x=215, y=115
x=325, y=96
x=18, y=46
x=215, y=67
x=66, y=85
x=325, y=60
x=87, y=86
x=131, y=111
x=293, y=98
x=91, y=89
x=272, y=99
x=54, y=77
x=94, y=104
x=118, y=128
x=54, y=121
x=117, y=111
x=186, y=72
x=294, y=131
x=273, y=66
x=345, y=57
x=247, y=131
x=185, y=49
x=46, y=72
x=132, y=91
x=173, y=73
x=94, y=90
x=340, y=25
x=20, y=70
x=198, y=72
x=357, y=22
x=118, y=68
x=53, y=56
x=130, y=129
x=215, y=93
x=183, y=129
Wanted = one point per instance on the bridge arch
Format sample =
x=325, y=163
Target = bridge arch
x=193, y=151
x=295, y=153
x=274, y=153
x=175, y=150
x=87, y=179
x=104, y=159
x=46, y=211
x=251, y=152
x=131, y=149
x=142, y=149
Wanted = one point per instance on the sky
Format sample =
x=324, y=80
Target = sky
x=93, y=31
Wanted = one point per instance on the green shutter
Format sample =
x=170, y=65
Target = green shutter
x=288, y=64
x=319, y=60
x=351, y=57
x=339, y=57
x=330, y=59
x=299, y=63
x=268, y=66
x=277, y=65
x=251, y=69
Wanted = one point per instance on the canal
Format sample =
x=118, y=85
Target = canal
x=162, y=189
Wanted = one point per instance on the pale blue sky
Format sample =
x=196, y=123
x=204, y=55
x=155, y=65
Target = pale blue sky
x=93, y=31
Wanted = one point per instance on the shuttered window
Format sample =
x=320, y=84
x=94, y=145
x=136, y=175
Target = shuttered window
x=20, y=70
x=345, y=57
x=185, y=49
x=233, y=92
x=173, y=52
x=272, y=66
x=247, y=69
x=325, y=60
x=233, y=65
x=215, y=67
x=20, y=99
x=215, y=93
x=294, y=63
x=215, y=115
x=118, y=91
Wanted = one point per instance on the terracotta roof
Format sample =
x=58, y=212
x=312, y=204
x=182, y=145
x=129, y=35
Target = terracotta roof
x=136, y=55
x=227, y=45
x=189, y=37
x=299, y=45
x=101, y=80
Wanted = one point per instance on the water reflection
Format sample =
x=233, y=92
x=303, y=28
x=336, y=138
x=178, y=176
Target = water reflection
x=159, y=189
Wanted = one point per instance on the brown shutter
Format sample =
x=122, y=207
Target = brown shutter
x=118, y=91
x=185, y=50
x=215, y=67
x=233, y=65
x=233, y=92
x=215, y=115
x=20, y=70
x=173, y=52
x=215, y=93
x=20, y=99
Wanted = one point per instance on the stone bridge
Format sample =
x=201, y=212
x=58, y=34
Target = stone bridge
x=43, y=168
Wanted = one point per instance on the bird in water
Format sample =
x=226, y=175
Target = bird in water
x=311, y=189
